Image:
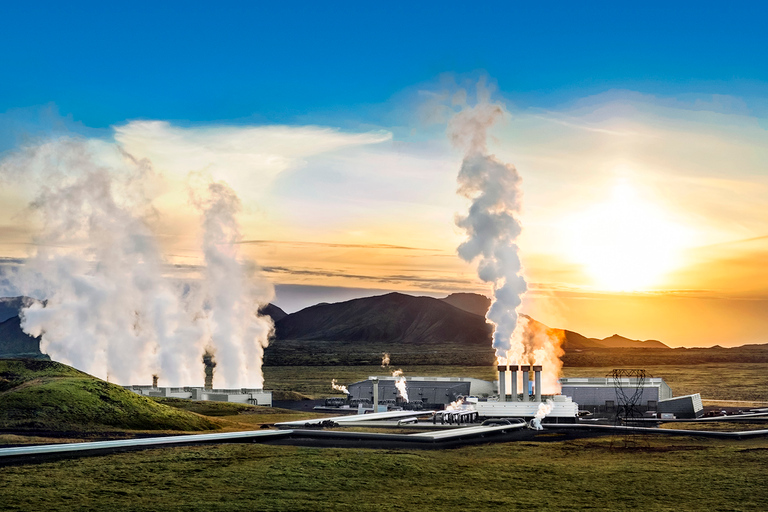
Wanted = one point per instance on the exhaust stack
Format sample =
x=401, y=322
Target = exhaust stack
x=537, y=383
x=525, y=369
x=513, y=387
x=502, y=383
x=375, y=394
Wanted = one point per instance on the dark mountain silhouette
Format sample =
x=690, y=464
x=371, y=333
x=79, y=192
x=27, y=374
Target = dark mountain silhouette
x=273, y=312
x=13, y=341
x=472, y=302
x=394, y=317
x=11, y=306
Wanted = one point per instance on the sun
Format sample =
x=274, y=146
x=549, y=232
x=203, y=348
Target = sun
x=626, y=243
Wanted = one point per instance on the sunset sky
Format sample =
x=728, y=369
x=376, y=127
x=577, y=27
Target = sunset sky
x=641, y=135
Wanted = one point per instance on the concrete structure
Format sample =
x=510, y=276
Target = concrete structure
x=688, y=406
x=563, y=409
x=430, y=390
x=242, y=395
x=600, y=392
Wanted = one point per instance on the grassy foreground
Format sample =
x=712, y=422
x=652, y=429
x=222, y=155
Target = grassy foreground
x=668, y=474
x=50, y=396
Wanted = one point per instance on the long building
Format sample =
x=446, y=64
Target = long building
x=428, y=390
x=599, y=393
x=241, y=395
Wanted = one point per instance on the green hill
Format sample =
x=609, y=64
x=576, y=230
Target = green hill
x=50, y=396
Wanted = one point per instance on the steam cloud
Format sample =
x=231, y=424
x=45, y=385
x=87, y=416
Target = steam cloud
x=400, y=384
x=492, y=227
x=337, y=387
x=110, y=308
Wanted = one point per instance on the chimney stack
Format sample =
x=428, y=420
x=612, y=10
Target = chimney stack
x=502, y=383
x=537, y=383
x=375, y=394
x=524, y=370
x=513, y=386
x=154, y=381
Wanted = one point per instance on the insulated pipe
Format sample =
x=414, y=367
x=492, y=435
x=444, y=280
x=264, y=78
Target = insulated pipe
x=513, y=387
x=502, y=383
x=537, y=383
x=525, y=369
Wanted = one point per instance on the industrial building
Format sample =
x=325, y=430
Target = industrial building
x=598, y=394
x=427, y=390
x=242, y=395
x=688, y=406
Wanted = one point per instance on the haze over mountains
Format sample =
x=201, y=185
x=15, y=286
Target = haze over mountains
x=414, y=330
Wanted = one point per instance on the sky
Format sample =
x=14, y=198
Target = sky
x=640, y=133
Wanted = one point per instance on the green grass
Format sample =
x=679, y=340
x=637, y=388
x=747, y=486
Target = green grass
x=675, y=474
x=48, y=396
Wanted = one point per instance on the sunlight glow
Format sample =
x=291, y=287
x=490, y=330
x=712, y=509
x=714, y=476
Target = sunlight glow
x=625, y=243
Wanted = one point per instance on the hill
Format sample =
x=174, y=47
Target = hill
x=50, y=396
x=394, y=317
x=472, y=302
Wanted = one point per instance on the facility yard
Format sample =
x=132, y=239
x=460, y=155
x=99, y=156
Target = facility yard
x=551, y=473
x=742, y=383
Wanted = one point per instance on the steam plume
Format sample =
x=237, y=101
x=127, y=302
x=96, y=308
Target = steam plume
x=400, y=384
x=111, y=310
x=385, y=360
x=232, y=292
x=492, y=224
x=337, y=387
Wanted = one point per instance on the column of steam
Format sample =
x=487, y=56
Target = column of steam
x=491, y=224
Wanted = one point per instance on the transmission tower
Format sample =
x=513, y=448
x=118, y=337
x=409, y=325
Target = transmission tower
x=629, y=385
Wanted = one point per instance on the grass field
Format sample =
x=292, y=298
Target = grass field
x=669, y=474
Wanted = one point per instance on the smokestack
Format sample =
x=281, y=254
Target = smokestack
x=375, y=394
x=502, y=383
x=513, y=387
x=154, y=381
x=528, y=378
x=209, y=363
x=525, y=369
x=537, y=383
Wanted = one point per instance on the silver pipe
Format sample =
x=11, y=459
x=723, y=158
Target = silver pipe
x=537, y=383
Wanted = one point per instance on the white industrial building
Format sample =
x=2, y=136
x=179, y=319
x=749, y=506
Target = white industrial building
x=241, y=395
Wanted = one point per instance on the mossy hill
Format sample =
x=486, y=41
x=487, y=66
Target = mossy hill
x=49, y=396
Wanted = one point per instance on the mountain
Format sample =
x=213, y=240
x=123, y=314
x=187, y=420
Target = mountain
x=11, y=306
x=471, y=302
x=13, y=341
x=394, y=317
x=479, y=304
x=16, y=343
x=273, y=312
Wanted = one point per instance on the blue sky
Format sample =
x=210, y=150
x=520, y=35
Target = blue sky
x=329, y=120
x=296, y=62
